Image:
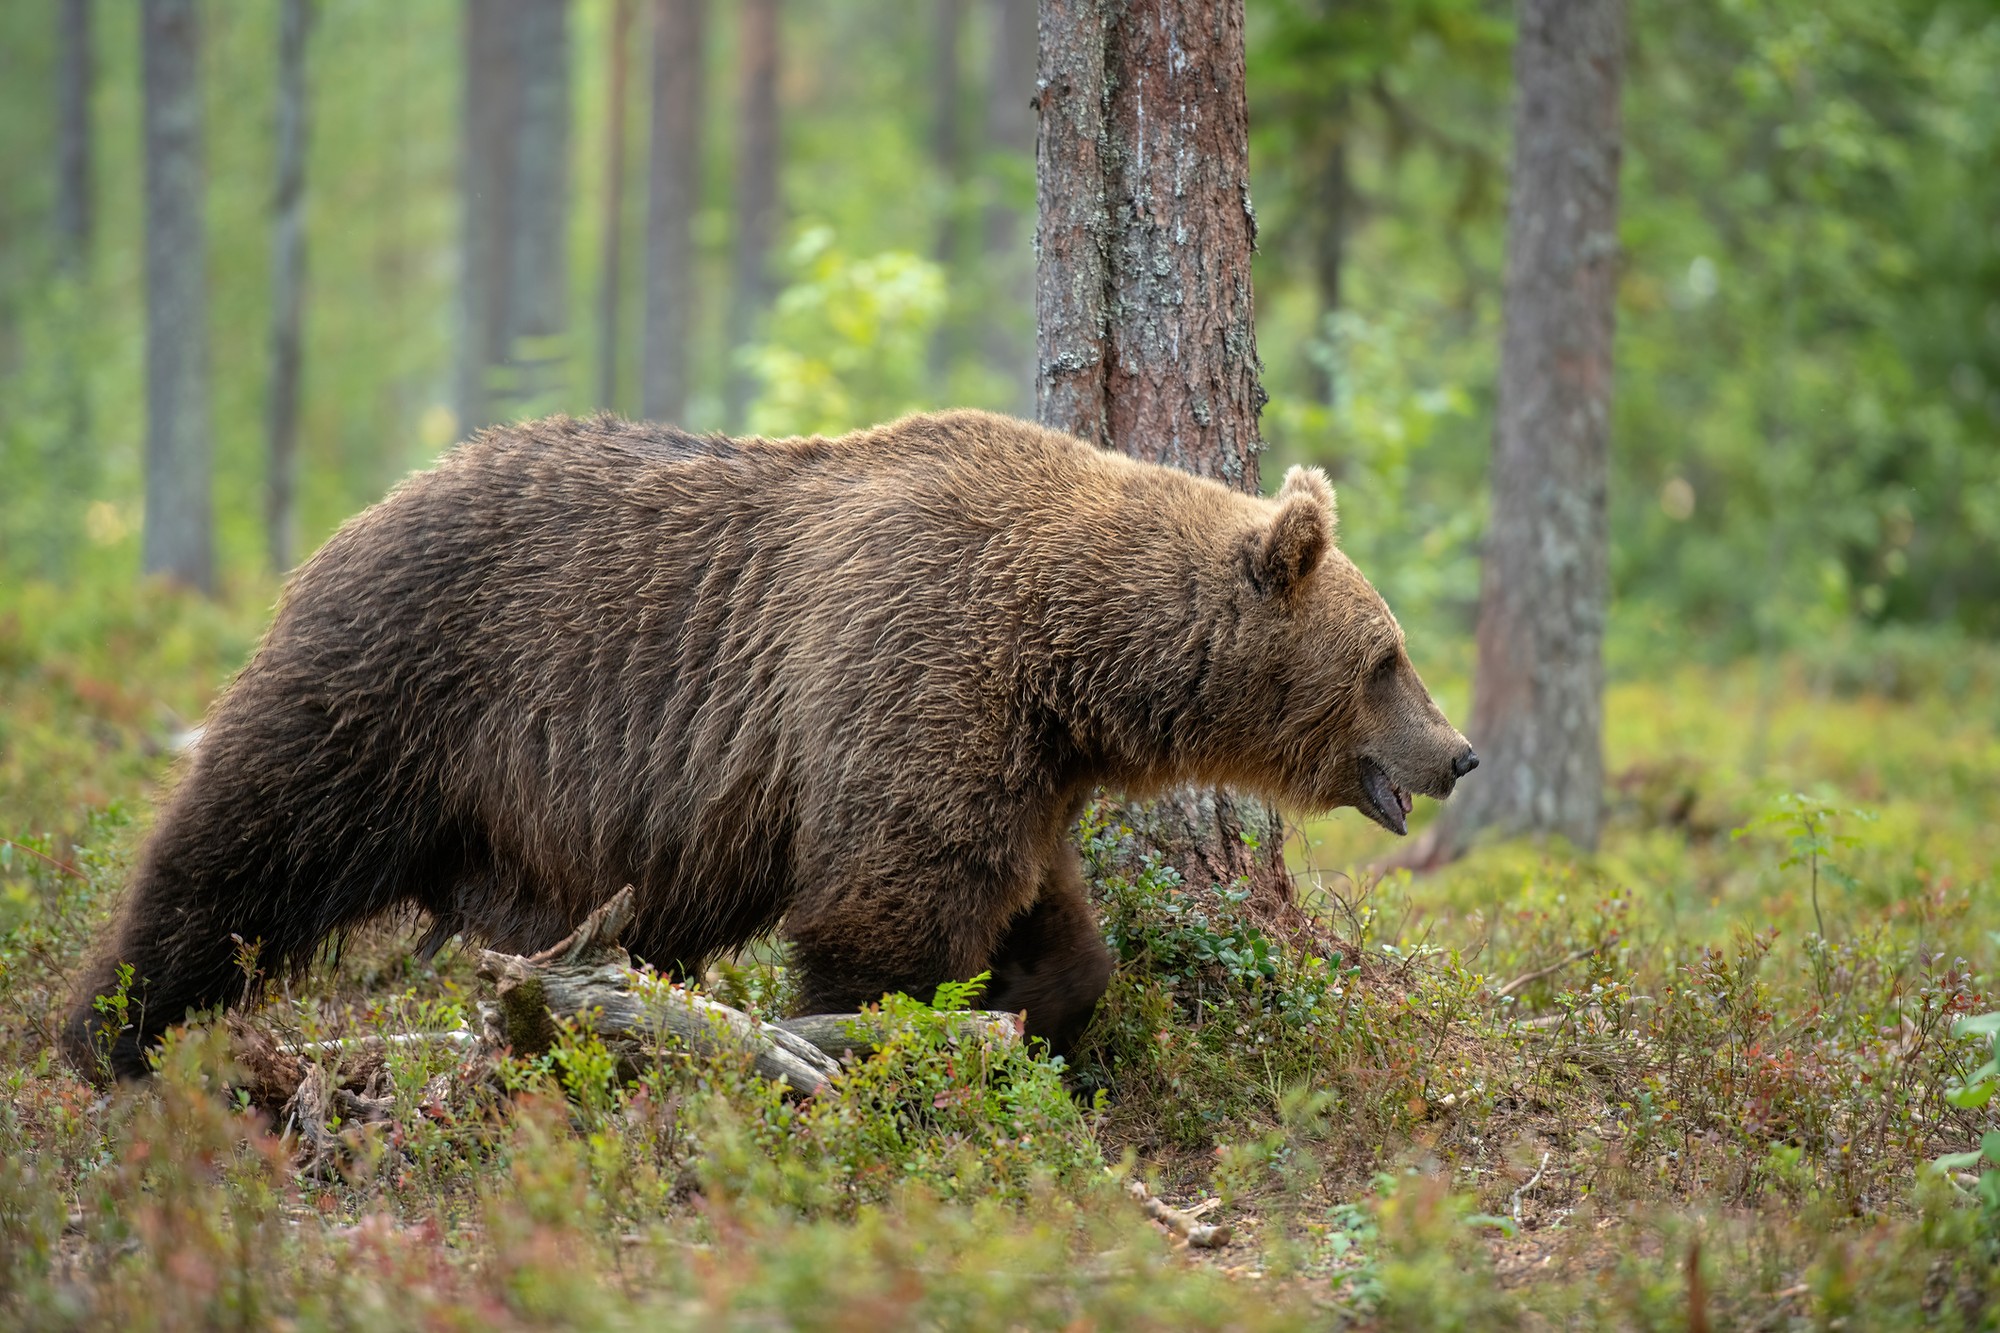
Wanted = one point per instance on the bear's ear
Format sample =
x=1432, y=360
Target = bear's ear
x=1302, y=480
x=1292, y=547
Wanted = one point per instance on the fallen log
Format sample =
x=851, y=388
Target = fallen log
x=586, y=977
x=633, y=1012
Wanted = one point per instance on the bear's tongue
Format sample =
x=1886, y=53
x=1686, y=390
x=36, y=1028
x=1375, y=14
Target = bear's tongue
x=1390, y=804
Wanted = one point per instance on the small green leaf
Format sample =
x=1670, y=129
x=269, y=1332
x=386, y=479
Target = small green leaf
x=1979, y=1025
x=1990, y=1145
x=1972, y=1098
x=1957, y=1161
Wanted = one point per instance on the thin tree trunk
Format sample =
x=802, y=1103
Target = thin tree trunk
x=69, y=463
x=75, y=199
x=612, y=249
x=757, y=152
x=1538, y=695
x=1147, y=338
x=288, y=264
x=1333, y=190
x=1009, y=133
x=179, y=538
x=486, y=185
x=537, y=301
x=948, y=150
x=675, y=172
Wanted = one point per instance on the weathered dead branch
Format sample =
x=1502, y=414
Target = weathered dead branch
x=590, y=975
x=1182, y=1222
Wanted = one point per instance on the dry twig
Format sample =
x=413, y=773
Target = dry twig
x=1200, y=1235
x=1526, y=980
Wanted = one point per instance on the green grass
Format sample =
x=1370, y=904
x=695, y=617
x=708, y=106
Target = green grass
x=1539, y=1089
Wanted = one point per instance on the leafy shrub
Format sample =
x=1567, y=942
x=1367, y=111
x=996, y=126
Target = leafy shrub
x=1212, y=1019
x=940, y=1105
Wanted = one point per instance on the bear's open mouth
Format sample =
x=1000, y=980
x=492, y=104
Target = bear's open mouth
x=1387, y=804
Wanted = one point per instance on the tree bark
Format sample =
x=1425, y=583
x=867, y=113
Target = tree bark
x=1143, y=291
x=1009, y=134
x=675, y=170
x=757, y=151
x=1538, y=694
x=611, y=251
x=179, y=525
x=1147, y=340
x=75, y=198
x=288, y=263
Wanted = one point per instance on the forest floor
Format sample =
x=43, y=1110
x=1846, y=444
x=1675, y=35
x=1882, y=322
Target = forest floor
x=1693, y=1080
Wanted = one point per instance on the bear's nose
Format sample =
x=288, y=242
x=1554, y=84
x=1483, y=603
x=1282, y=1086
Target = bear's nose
x=1465, y=763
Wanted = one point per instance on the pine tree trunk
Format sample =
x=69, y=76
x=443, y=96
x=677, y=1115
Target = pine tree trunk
x=486, y=188
x=70, y=460
x=611, y=251
x=179, y=525
x=75, y=199
x=288, y=262
x=537, y=300
x=1009, y=133
x=1538, y=695
x=1333, y=191
x=515, y=180
x=675, y=172
x=1147, y=339
x=756, y=219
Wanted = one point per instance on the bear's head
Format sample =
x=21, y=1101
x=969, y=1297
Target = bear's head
x=1351, y=722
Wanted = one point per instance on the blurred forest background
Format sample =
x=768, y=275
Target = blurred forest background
x=1726, y=1065
x=819, y=215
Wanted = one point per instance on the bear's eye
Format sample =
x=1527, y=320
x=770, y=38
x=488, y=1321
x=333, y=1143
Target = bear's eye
x=1384, y=668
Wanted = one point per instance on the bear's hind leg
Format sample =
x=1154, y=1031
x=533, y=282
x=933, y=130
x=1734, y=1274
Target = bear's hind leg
x=225, y=897
x=186, y=940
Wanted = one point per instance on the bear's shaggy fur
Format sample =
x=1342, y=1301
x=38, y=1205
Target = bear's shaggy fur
x=857, y=686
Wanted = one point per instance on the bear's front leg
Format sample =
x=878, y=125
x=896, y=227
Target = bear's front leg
x=1052, y=960
x=1038, y=938
x=897, y=922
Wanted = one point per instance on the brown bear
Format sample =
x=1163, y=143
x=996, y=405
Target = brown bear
x=856, y=688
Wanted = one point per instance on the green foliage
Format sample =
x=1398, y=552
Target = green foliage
x=1810, y=822
x=1809, y=307
x=1808, y=330
x=1980, y=1085
x=847, y=341
x=941, y=1106
x=1211, y=1020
